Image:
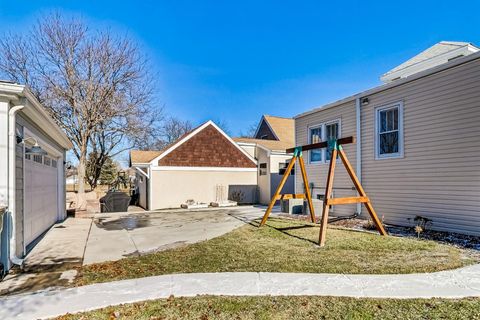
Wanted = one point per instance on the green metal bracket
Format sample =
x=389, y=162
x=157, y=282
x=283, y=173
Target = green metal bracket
x=297, y=152
x=333, y=145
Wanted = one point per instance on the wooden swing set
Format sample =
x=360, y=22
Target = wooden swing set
x=335, y=147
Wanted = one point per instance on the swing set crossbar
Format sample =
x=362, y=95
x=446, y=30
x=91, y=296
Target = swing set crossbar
x=347, y=200
x=287, y=196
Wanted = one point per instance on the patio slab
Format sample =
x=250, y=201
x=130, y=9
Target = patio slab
x=119, y=235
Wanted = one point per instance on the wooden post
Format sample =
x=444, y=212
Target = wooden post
x=362, y=193
x=307, y=189
x=328, y=193
x=279, y=189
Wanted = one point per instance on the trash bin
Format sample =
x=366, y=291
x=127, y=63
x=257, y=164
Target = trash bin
x=114, y=201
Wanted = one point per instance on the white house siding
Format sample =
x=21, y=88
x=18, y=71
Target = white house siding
x=172, y=188
x=263, y=180
x=142, y=182
x=19, y=197
x=275, y=177
x=317, y=173
x=41, y=210
x=439, y=176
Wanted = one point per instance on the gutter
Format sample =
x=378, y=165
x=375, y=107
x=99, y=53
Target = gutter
x=422, y=74
x=12, y=141
x=358, y=121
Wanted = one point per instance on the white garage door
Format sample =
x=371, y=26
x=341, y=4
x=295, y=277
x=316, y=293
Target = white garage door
x=41, y=187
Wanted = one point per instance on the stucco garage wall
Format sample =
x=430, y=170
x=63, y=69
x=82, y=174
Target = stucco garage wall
x=172, y=188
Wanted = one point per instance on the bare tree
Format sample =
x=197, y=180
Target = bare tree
x=222, y=124
x=96, y=86
x=250, y=132
x=171, y=129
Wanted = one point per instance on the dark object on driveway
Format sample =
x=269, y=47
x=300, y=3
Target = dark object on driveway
x=114, y=201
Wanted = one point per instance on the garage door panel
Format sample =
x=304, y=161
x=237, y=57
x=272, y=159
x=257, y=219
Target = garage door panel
x=41, y=187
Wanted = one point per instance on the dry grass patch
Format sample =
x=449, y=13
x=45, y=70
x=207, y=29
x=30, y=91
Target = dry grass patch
x=287, y=246
x=208, y=307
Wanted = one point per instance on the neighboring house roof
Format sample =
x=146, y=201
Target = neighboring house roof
x=282, y=128
x=205, y=146
x=438, y=54
x=141, y=156
x=393, y=84
x=272, y=145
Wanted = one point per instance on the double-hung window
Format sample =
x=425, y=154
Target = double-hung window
x=331, y=132
x=323, y=132
x=389, y=131
x=315, y=136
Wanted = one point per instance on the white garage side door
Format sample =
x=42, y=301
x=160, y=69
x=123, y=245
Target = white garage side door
x=41, y=198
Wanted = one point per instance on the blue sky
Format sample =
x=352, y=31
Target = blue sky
x=236, y=60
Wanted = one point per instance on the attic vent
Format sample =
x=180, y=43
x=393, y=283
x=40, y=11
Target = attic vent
x=456, y=57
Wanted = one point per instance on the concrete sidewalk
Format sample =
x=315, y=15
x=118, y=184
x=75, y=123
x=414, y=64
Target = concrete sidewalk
x=460, y=283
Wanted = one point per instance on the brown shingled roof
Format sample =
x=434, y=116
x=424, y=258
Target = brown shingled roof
x=140, y=156
x=284, y=128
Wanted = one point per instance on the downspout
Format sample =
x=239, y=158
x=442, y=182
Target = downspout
x=149, y=187
x=12, y=142
x=359, y=146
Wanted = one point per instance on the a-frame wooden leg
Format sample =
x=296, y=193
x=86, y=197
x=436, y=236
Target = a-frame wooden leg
x=279, y=189
x=328, y=192
x=362, y=193
x=308, y=195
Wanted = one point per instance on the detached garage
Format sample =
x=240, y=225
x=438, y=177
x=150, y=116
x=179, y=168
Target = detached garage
x=32, y=181
x=205, y=165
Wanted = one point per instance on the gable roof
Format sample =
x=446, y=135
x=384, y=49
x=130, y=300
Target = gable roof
x=143, y=156
x=282, y=128
x=246, y=159
x=437, y=54
x=272, y=145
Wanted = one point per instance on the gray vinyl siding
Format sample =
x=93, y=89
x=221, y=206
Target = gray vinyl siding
x=317, y=172
x=439, y=175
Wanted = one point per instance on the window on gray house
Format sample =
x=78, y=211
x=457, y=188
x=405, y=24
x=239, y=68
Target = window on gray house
x=315, y=137
x=389, y=137
x=331, y=131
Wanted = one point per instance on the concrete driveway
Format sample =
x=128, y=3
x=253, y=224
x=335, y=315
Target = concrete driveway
x=108, y=237
x=116, y=236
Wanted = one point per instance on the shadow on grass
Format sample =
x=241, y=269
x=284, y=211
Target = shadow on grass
x=256, y=223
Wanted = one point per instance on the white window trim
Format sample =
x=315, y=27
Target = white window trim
x=323, y=125
x=400, y=153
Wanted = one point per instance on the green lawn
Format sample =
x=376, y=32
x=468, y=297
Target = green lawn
x=208, y=307
x=286, y=246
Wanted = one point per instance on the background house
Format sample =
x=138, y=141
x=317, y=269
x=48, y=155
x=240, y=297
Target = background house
x=417, y=150
x=273, y=136
x=32, y=186
x=205, y=165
